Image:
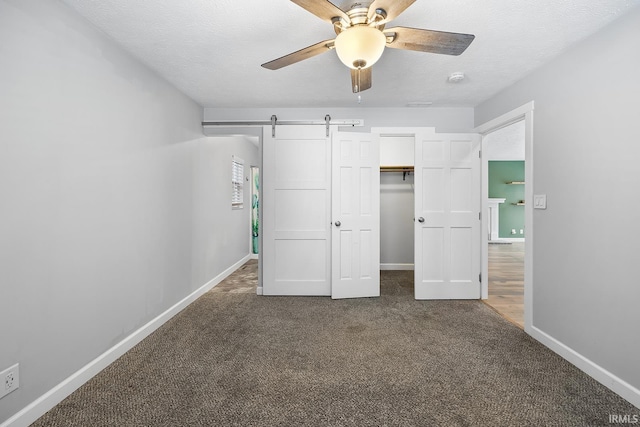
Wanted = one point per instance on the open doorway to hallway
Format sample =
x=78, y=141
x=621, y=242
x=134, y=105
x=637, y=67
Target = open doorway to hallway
x=504, y=153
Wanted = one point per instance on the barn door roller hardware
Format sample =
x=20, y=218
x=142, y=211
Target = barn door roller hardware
x=273, y=122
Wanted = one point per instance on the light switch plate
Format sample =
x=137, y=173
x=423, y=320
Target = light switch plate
x=540, y=201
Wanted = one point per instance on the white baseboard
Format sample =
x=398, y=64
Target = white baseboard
x=259, y=290
x=255, y=256
x=598, y=373
x=508, y=239
x=40, y=406
x=390, y=266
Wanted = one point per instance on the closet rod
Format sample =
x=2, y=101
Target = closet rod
x=396, y=168
x=404, y=169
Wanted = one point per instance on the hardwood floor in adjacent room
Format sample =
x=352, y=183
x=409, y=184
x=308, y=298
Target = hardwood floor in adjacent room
x=506, y=281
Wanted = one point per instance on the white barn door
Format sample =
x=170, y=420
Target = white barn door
x=447, y=223
x=356, y=216
x=296, y=179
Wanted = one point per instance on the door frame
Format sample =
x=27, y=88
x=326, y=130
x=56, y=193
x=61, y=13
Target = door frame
x=524, y=112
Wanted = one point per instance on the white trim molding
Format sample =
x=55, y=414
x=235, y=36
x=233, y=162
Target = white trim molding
x=44, y=403
x=506, y=119
x=494, y=217
x=597, y=372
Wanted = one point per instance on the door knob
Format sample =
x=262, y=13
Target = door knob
x=338, y=223
x=420, y=219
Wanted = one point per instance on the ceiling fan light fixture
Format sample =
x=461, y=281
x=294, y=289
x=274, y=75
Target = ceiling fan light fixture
x=360, y=46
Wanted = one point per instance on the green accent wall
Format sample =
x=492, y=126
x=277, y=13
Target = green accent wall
x=511, y=216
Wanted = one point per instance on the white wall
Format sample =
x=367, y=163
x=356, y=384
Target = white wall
x=112, y=200
x=586, y=244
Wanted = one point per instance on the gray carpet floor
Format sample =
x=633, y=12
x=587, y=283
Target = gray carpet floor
x=236, y=359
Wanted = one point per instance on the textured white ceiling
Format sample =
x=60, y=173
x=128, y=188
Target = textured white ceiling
x=212, y=49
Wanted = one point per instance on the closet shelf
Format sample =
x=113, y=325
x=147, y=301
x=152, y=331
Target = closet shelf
x=396, y=168
x=514, y=182
x=518, y=204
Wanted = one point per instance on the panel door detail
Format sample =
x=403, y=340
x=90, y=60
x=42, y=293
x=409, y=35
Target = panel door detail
x=296, y=176
x=355, y=260
x=447, y=223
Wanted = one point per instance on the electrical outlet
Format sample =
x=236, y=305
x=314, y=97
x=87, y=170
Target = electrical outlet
x=513, y=231
x=10, y=380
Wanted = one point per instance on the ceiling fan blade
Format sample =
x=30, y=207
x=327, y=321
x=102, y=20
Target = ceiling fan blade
x=393, y=8
x=300, y=55
x=428, y=40
x=361, y=79
x=323, y=9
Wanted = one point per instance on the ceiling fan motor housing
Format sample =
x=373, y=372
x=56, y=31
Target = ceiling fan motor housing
x=358, y=15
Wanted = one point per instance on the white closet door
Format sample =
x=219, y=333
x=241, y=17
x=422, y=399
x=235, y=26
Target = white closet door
x=296, y=178
x=447, y=224
x=356, y=216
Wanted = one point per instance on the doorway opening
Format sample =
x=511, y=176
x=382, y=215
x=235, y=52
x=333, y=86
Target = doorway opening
x=504, y=153
x=520, y=122
x=396, y=213
x=255, y=212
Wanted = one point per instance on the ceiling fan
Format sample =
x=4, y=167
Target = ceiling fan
x=362, y=37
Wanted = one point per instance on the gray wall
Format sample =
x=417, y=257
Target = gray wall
x=221, y=236
x=114, y=205
x=396, y=218
x=586, y=151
